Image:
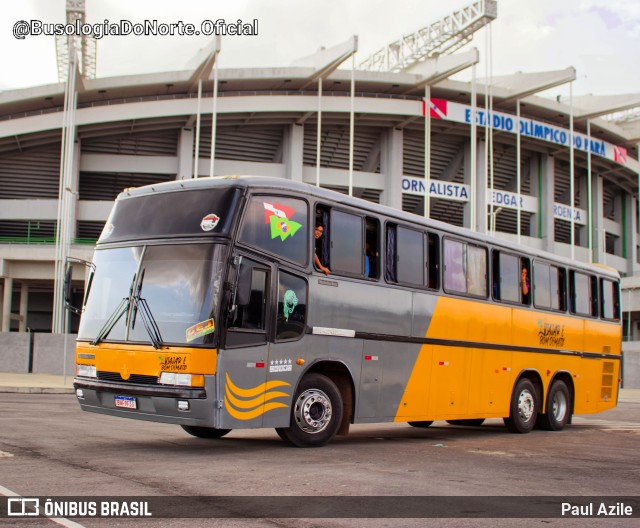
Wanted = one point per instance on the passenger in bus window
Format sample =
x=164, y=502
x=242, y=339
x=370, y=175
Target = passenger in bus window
x=526, y=286
x=369, y=262
x=318, y=234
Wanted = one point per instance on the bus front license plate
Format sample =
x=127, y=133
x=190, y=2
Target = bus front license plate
x=128, y=402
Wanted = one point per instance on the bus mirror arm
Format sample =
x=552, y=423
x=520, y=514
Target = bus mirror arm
x=241, y=291
x=236, y=262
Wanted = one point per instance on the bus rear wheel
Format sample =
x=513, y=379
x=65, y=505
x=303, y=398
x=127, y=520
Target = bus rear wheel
x=471, y=422
x=524, y=408
x=205, y=432
x=316, y=413
x=558, y=408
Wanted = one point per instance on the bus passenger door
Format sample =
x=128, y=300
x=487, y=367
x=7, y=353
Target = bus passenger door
x=243, y=358
x=290, y=343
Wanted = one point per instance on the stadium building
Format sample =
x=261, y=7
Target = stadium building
x=65, y=156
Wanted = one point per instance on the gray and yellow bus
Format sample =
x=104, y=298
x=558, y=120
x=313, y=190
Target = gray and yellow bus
x=247, y=302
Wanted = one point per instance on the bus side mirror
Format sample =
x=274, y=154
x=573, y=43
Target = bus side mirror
x=68, y=272
x=67, y=285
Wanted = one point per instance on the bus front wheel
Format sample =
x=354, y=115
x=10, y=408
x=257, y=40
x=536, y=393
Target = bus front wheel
x=316, y=413
x=420, y=424
x=558, y=408
x=524, y=408
x=205, y=432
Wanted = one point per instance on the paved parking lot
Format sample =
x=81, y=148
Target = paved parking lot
x=48, y=447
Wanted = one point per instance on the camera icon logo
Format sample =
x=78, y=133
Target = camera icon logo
x=23, y=507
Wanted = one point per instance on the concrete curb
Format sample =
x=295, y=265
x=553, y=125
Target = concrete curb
x=37, y=390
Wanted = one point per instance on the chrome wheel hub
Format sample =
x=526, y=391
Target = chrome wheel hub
x=526, y=405
x=313, y=411
x=559, y=406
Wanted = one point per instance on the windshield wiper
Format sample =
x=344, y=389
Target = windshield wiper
x=141, y=306
x=120, y=310
x=134, y=310
x=138, y=305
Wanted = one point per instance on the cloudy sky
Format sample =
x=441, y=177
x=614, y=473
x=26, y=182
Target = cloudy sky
x=600, y=38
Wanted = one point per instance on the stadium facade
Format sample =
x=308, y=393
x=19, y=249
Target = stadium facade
x=514, y=180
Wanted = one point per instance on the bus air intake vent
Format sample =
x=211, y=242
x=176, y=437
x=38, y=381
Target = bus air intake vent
x=608, y=380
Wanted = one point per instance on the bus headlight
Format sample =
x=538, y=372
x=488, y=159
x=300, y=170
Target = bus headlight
x=86, y=371
x=181, y=380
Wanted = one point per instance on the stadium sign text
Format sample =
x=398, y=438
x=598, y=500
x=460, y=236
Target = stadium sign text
x=460, y=113
x=457, y=192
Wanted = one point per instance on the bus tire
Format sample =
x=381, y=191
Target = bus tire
x=471, y=422
x=524, y=408
x=316, y=413
x=205, y=432
x=420, y=424
x=558, y=408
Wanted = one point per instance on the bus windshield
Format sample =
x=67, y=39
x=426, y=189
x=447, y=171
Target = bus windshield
x=179, y=283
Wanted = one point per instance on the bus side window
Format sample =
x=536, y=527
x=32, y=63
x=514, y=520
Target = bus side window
x=558, y=289
x=322, y=243
x=542, y=289
x=476, y=270
x=277, y=225
x=251, y=301
x=291, y=318
x=455, y=260
x=433, y=261
x=495, y=275
x=509, y=277
x=610, y=300
x=390, y=254
x=345, y=242
x=525, y=281
x=410, y=257
x=465, y=268
x=594, y=296
x=549, y=287
x=371, y=248
x=581, y=294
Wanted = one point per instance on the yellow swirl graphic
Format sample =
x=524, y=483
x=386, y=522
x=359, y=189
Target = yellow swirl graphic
x=260, y=389
x=247, y=404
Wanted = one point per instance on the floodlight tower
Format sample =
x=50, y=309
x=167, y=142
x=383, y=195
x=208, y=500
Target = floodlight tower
x=446, y=35
x=85, y=46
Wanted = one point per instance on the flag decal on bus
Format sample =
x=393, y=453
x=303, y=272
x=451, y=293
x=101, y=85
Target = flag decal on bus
x=247, y=404
x=278, y=216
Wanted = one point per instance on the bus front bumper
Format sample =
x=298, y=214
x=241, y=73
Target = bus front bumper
x=167, y=404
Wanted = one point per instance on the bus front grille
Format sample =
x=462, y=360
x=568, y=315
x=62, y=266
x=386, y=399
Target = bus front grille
x=138, y=379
